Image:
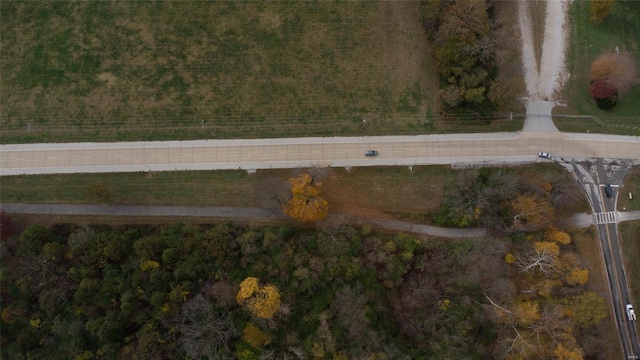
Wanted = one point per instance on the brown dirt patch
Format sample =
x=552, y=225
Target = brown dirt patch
x=386, y=193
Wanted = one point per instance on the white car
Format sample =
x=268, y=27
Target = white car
x=630, y=313
x=544, y=155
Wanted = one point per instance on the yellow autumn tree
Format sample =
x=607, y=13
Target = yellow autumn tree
x=548, y=247
x=262, y=301
x=577, y=276
x=248, y=287
x=255, y=337
x=563, y=353
x=306, y=204
x=267, y=302
x=509, y=258
x=526, y=313
x=558, y=236
x=532, y=210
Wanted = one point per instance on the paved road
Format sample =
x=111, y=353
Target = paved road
x=309, y=152
x=593, y=177
x=538, y=117
x=228, y=212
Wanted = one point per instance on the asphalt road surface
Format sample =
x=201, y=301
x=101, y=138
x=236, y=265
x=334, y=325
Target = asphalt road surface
x=593, y=177
x=254, y=154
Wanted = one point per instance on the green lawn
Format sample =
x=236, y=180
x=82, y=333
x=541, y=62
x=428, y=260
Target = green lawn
x=587, y=41
x=196, y=188
x=631, y=184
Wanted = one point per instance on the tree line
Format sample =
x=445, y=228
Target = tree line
x=465, y=37
x=228, y=291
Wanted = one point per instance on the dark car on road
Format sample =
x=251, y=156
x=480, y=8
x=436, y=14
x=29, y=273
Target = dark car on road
x=370, y=153
x=607, y=190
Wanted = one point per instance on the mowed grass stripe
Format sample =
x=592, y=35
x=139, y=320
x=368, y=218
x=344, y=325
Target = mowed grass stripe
x=196, y=188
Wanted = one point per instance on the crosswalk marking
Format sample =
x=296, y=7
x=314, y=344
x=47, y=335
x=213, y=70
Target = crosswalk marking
x=608, y=217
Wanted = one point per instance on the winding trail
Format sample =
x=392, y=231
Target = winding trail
x=577, y=220
x=230, y=213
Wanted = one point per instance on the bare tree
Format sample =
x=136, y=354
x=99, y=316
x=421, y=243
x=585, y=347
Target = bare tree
x=552, y=324
x=350, y=304
x=203, y=333
x=521, y=343
x=536, y=261
x=223, y=292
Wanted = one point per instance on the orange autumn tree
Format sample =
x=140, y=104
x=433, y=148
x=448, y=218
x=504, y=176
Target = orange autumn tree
x=306, y=204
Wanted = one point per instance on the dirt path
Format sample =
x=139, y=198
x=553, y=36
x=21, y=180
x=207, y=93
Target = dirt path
x=543, y=81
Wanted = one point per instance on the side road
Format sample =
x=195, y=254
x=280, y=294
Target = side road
x=578, y=220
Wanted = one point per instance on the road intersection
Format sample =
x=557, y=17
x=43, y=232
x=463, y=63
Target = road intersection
x=593, y=175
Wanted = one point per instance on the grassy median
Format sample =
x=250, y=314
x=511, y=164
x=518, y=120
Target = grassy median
x=631, y=184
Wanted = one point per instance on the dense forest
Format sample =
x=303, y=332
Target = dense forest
x=466, y=36
x=229, y=291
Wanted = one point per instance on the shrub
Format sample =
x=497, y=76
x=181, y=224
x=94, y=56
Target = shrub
x=604, y=94
x=600, y=9
x=617, y=70
x=100, y=192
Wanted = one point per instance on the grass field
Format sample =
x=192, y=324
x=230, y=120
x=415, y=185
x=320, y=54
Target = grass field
x=631, y=184
x=587, y=42
x=378, y=192
x=196, y=188
x=104, y=71
x=630, y=237
x=378, y=189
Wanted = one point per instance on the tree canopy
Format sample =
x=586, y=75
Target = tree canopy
x=226, y=291
x=306, y=204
